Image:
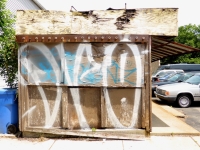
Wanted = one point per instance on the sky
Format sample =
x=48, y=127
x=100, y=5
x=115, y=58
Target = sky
x=188, y=10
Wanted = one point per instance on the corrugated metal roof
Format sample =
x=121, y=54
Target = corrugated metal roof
x=14, y=5
x=163, y=47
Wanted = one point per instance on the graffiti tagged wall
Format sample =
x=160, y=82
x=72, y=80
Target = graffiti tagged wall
x=76, y=64
x=82, y=85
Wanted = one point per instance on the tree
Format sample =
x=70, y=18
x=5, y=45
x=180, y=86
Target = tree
x=8, y=46
x=188, y=35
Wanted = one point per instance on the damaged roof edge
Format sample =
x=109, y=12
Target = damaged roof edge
x=126, y=9
x=153, y=22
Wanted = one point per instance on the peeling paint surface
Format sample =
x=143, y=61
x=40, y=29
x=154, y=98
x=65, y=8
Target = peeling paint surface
x=151, y=21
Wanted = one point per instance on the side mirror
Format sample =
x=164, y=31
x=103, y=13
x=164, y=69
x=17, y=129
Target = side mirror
x=155, y=79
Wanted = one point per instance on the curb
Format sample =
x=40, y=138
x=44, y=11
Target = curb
x=176, y=125
x=174, y=134
x=169, y=109
x=173, y=111
x=8, y=136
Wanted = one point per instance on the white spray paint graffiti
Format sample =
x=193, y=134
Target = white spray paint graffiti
x=75, y=92
x=138, y=82
x=136, y=106
x=122, y=64
x=28, y=111
x=96, y=66
x=113, y=118
x=24, y=62
x=124, y=112
x=50, y=119
x=107, y=61
x=46, y=53
x=77, y=63
x=125, y=38
x=138, y=62
x=76, y=98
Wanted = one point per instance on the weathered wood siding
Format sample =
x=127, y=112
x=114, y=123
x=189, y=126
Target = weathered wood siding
x=42, y=98
x=82, y=85
x=125, y=109
x=150, y=21
x=99, y=78
x=154, y=66
x=90, y=107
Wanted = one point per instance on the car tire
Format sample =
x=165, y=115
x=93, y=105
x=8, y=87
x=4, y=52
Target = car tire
x=153, y=95
x=184, y=100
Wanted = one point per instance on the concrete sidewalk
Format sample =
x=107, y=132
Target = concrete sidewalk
x=152, y=143
x=170, y=117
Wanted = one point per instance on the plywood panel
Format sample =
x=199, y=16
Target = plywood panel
x=104, y=64
x=84, y=109
x=123, y=108
x=45, y=106
x=43, y=63
x=22, y=93
x=151, y=21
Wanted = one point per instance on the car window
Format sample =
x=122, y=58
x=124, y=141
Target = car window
x=187, y=76
x=169, y=74
x=194, y=80
x=182, y=78
x=161, y=73
x=164, y=74
x=174, y=77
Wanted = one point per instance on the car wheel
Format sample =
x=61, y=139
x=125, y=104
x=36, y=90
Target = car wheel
x=153, y=95
x=184, y=101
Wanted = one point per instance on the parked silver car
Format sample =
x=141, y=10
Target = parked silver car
x=184, y=93
x=177, y=77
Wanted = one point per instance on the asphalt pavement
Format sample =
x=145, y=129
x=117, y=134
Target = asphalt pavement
x=192, y=115
x=173, y=119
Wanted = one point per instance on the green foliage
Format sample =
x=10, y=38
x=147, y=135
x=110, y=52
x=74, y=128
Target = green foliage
x=188, y=35
x=93, y=129
x=8, y=46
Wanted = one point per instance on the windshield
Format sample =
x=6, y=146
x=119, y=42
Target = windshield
x=180, y=77
x=161, y=74
x=193, y=80
x=175, y=77
x=167, y=74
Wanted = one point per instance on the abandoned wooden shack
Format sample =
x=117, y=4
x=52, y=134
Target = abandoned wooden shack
x=88, y=73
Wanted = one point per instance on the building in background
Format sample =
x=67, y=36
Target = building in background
x=13, y=6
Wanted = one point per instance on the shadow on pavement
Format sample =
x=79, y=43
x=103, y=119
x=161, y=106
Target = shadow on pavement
x=156, y=122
